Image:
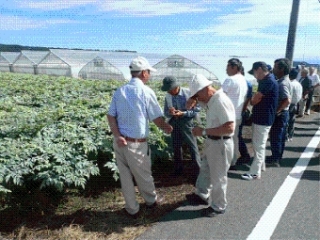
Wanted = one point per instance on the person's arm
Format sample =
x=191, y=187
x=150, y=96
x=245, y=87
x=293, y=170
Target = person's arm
x=223, y=130
x=257, y=97
x=317, y=81
x=113, y=124
x=191, y=102
x=161, y=123
x=166, y=109
x=190, y=113
x=246, y=104
x=283, y=104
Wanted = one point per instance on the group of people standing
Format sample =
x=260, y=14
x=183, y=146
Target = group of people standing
x=135, y=104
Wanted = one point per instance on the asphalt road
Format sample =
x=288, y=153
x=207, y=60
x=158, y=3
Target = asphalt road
x=284, y=204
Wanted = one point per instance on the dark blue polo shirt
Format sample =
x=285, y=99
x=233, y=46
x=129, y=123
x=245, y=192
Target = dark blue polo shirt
x=264, y=112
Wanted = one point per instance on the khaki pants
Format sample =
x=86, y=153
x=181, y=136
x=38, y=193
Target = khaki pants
x=259, y=141
x=134, y=161
x=213, y=177
x=302, y=106
x=236, y=142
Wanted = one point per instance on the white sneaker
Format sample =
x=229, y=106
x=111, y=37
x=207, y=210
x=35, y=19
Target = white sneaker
x=307, y=112
x=250, y=177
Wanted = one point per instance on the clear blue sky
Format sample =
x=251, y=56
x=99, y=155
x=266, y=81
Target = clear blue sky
x=219, y=27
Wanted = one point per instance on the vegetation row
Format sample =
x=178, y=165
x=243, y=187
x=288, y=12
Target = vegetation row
x=54, y=133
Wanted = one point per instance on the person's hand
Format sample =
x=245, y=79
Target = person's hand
x=167, y=128
x=191, y=103
x=257, y=97
x=172, y=110
x=177, y=113
x=121, y=141
x=197, y=131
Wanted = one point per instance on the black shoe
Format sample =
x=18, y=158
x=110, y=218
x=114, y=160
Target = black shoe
x=133, y=216
x=273, y=164
x=194, y=199
x=176, y=173
x=159, y=200
x=210, y=212
x=243, y=160
x=269, y=160
x=234, y=168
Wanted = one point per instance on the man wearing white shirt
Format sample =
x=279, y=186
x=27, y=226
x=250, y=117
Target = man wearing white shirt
x=296, y=97
x=315, y=81
x=236, y=88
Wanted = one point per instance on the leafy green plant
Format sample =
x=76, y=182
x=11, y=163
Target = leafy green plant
x=52, y=130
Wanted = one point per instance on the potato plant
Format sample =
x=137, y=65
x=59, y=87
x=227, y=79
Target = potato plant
x=52, y=130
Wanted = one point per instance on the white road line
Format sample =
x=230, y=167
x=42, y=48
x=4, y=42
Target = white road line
x=271, y=217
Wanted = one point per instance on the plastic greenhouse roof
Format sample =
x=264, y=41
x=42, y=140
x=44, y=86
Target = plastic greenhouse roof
x=120, y=60
x=103, y=71
x=181, y=67
x=75, y=57
x=34, y=56
x=10, y=56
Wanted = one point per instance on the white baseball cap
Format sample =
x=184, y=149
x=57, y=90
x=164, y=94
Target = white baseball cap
x=197, y=83
x=140, y=64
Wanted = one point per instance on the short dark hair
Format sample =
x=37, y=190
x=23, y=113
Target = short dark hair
x=285, y=64
x=235, y=62
x=242, y=71
x=293, y=73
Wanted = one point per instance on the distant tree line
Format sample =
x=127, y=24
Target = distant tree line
x=19, y=48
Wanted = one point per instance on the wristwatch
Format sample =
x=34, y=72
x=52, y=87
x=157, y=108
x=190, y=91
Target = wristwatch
x=204, y=133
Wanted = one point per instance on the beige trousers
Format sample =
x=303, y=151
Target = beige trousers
x=134, y=161
x=259, y=142
x=213, y=176
x=236, y=142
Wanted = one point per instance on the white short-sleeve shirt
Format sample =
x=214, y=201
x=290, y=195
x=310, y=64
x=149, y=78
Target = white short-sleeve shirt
x=236, y=88
x=220, y=110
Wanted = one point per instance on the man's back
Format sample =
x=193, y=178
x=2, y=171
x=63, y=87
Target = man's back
x=296, y=91
x=236, y=88
x=134, y=105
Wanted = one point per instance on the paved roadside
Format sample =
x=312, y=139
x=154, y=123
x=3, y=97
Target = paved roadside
x=248, y=200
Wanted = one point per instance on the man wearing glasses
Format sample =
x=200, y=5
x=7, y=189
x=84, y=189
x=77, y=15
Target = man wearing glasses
x=218, y=147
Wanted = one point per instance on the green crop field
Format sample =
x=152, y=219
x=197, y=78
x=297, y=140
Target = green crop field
x=53, y=131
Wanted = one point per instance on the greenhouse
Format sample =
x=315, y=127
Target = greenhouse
x=54, y=66
x=89, y=64
x=99, y=68
x=182, y=68
x=27, y=61
x=76, y=59
x=6, y=60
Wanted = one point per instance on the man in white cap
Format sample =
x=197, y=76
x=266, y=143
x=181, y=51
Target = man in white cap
x=132, y=107
x=211, y=185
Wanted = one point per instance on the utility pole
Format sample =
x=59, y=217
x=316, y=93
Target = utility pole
x=292, y=30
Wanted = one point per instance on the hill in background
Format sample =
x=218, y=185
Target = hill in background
x=19, y=48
